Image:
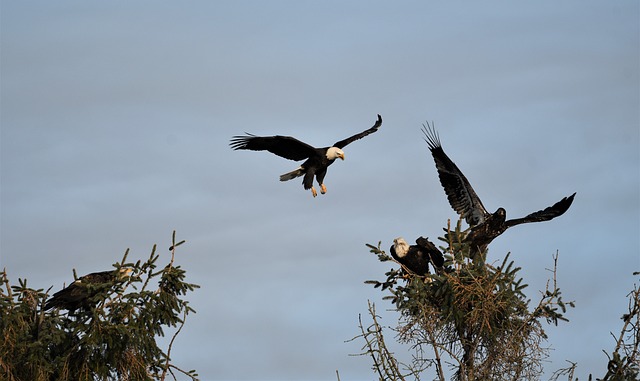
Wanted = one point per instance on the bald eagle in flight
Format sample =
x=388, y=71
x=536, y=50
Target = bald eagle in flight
x=80, y=293
x=416, y=258
x=317, y=160
x=485, y=226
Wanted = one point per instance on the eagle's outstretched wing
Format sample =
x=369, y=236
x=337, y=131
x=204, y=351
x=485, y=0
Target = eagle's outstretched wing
x=283, y=146
x=343, y=143
x=546, y=214
x=462, y=197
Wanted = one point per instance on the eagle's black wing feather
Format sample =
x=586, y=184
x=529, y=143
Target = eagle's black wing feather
x=435, y=255
x=546, y=214
x=68, y=297
x=345, y=142
x=99, y=277
x=462, y=197
x=283, y=146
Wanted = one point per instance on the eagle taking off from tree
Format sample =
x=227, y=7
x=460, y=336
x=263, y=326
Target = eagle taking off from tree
x=485, y=226
x=317, y=160
x=81, y=292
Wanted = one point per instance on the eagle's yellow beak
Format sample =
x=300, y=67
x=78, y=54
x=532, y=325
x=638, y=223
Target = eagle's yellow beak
x=341, y=155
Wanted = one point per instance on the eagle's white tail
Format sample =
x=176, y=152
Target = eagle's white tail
x=293, y=174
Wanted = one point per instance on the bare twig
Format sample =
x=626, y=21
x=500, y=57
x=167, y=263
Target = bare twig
x=173, y=338
x=384, y=361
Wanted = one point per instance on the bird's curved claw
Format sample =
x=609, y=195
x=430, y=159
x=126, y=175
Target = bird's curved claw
x=323, y=189
x=313, y=192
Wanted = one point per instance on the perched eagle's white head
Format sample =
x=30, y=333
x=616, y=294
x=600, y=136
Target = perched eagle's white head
x=334, y=153
x=401, y=247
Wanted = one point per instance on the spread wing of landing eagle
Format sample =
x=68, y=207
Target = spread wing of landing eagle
x=80, y=293
x=463, y=199
x=317, y=160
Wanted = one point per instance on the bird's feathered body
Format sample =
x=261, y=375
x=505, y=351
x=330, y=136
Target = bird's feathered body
x=317, y=160
x=79, y=293
x=485, y=226
x=416, y=258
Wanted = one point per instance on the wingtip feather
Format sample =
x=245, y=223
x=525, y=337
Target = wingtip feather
x=431, y=135
x=238, y=142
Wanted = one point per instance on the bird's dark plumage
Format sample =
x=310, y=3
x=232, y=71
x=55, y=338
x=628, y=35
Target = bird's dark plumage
x=462, y=197
x=283, y=146
x=416, y=258
x=485, y=226
x=79, y=293
x=349, y=140
x=317, y=159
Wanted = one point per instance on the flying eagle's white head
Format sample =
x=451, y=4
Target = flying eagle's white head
x=401, y=247
x=335, y=153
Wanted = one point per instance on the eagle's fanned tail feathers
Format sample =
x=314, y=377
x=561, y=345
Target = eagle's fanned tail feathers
x=292, y=175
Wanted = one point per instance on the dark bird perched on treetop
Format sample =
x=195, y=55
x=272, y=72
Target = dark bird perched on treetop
x=485, y=226
x=416, y=258
x=317, y=159
x=80, y=293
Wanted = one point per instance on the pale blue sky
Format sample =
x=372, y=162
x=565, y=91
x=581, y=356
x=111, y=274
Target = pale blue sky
x=115, y=123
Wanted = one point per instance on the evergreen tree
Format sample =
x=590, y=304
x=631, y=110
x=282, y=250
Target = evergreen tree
x=471, y=319
x=113, y=337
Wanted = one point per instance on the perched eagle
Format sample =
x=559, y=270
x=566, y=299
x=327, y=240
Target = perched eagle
x=80, y=293
x=316, y=159
x=485, y=226
x=417, y=257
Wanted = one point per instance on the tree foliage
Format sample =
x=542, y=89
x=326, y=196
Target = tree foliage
x=114, y=339
x=624, y=361
x=472, y=320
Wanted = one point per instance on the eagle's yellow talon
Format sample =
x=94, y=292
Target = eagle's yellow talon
x=313, y=192
x=323, y=189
